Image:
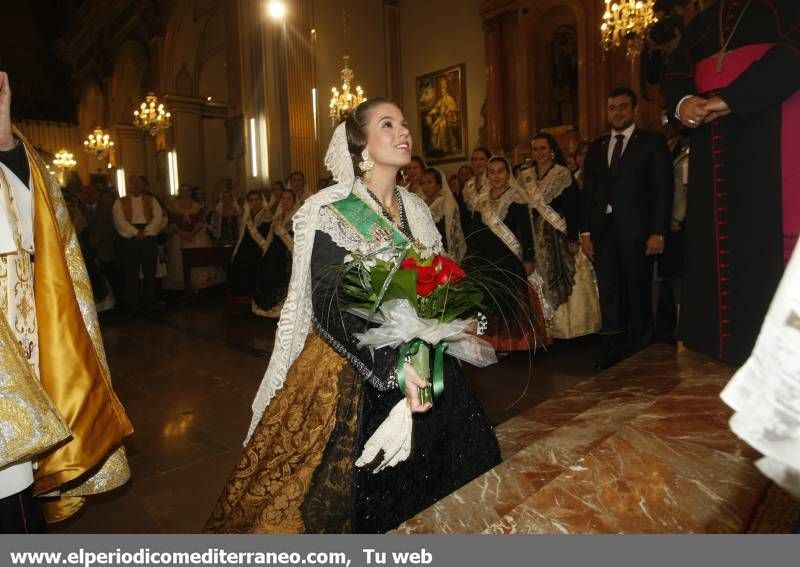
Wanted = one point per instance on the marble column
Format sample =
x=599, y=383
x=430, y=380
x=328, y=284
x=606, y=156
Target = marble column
x=300, y=81
x=494, y=83
x=394, y=72
x=187, y=137
x=135, y=153
x=522, y=86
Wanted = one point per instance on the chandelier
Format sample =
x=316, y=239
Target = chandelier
x=342, y=103
x=152, y=115
x=98, y=143
x=627, y=21
x=64, y=160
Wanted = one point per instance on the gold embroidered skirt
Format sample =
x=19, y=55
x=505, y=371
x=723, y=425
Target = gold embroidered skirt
x=268, y=487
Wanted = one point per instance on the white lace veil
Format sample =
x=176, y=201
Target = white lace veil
x=245, y=216
x=456, y=243
x=295, y=321
x=473, y=189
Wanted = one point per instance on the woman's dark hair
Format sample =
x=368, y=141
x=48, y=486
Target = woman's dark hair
x=254, y=192
x=297, y=172
x=484, y=150
x=435, y=174
x=356, y=125
x=280, y=184
x=558, y=155
x=421, y=162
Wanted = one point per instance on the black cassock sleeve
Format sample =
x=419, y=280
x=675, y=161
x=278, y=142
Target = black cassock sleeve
x=661, y=184
x=337, y=327
x=16, y=160
x=773, y=78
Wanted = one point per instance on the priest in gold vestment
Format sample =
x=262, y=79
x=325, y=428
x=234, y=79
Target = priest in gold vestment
x=61, y=425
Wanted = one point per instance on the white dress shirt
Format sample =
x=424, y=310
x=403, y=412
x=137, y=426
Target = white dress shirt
x=126, y=229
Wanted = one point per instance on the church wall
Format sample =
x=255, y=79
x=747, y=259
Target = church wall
x=435, y=35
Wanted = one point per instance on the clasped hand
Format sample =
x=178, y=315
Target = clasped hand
x=415, y=382
x=697, y=110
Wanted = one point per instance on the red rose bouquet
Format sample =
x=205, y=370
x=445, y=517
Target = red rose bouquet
x=419, y=304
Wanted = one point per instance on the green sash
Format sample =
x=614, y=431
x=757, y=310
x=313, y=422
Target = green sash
x=367, y=222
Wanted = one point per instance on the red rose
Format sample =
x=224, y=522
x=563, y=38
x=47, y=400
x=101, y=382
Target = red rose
x=409, y=264
x=426, y=280
x=447, y=271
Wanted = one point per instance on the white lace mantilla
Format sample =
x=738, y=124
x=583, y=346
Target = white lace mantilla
x=542, y=191
x=474, y=188
x=250, y=225
x=317, y=215
x=445, y=207
x=765, y=392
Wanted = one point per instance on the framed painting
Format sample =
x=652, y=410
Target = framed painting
x=442, y=112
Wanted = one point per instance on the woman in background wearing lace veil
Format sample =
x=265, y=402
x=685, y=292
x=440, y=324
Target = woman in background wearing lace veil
x=329, y=448
x=501, y=246
x=569, y=279
x=445, y=212
x=413, y=175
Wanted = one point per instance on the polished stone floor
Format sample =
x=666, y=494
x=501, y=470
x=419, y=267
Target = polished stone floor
x=187, y=377
x=643, y=447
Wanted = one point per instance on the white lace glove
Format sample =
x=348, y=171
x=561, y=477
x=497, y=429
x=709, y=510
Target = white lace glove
x=393, y=436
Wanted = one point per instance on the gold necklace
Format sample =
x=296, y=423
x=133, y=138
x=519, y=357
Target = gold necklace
x=723, y=46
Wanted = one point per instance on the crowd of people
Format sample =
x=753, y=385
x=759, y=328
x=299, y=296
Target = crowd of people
x=133, y=245
x=341, y=438
x=564, y=268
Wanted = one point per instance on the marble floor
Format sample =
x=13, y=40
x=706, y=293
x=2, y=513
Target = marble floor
x=187, y=377
x=642, y=447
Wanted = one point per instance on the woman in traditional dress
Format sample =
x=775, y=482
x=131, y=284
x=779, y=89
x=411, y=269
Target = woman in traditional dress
x=323, y=398
x=580, y=159
x=474, y=187
x=500, y=245
x=297, y=183
x=464, y=174
x=274, y=269
x=455, y=185
x=250, y=247
x=187, y=230
x=445, y=212
x=225, y=220
x=569, y=290
x=414, y=174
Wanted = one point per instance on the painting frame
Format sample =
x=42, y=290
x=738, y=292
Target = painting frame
x=442, y=120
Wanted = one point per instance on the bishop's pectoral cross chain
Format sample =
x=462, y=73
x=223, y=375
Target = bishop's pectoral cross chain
x=723, y=45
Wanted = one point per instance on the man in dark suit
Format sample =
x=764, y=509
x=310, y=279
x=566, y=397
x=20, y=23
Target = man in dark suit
x=625, y=208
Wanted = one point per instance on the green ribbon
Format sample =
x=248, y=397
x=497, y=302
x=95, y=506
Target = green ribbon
x=366, y=220
x=419, y=353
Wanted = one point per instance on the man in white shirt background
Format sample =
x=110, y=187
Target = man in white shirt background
x=138, y=219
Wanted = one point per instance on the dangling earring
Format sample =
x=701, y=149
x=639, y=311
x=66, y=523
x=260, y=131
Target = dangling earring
x=366, y=165
x=552, y=155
